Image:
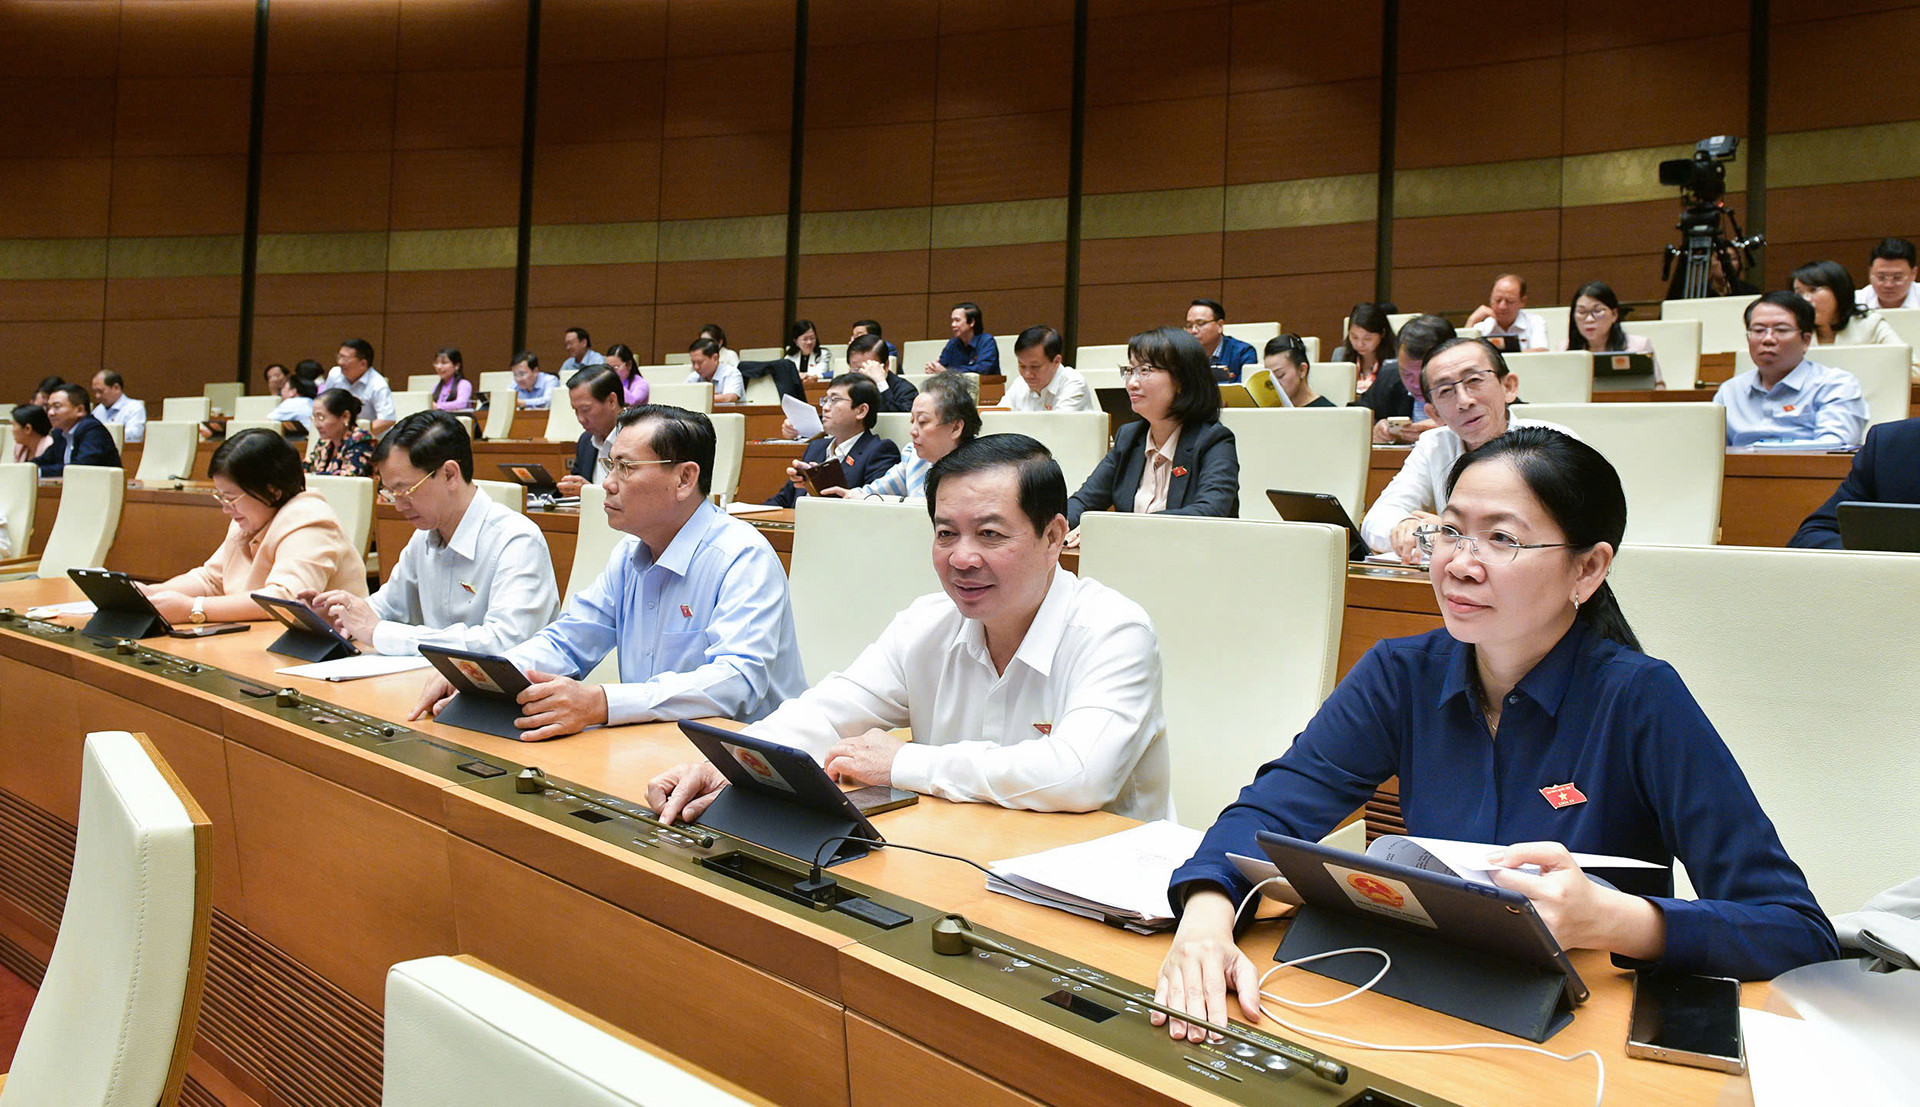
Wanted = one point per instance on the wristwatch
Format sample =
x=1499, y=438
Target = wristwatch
x=199, y=613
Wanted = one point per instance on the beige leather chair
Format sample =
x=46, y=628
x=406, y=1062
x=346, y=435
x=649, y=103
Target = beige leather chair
x=169, y=451
x=1401, y=319
x=504, y=492
x=729, y=454
x=224, y=395
x=678, y=357
x=914, y=355
x=595, y=542
x=1112, y=356
x=1557, y=317
x=761, y=391
x=422, y=382
x=1799, y=657
x=1103, y=377
x=762, y=353
x=83, y=529
x=1905, y=323
x=113, y=1023
x=461, y=1031
x=1301, y=450
x=352, y=500
x=1676, y=342
x=1885, y=374
x=1008, y=359
x=236, y=426
x=1229, y=709
x=1723, y=322
x=496, y=380
x=1554, y=378
x=894, y=540
x=186, y=409
x=664, y=374
x=896, y=427
x=1078, y=439
x=19, y=498
x=1336, y=380
x=500, y=411
x=693, y=397
x=1670, y=457
x=253, y=407
x=117, y=432
x=1253, y=334
x=411, y=401
x=562, y=424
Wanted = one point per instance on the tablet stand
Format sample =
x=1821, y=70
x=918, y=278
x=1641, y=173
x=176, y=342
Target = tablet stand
x=790, y=828
x=486, y=714
x=308, y=646
x=1507, y=995
x=125, y=624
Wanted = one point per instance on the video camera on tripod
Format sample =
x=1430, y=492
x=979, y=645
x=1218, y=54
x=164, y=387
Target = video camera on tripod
x=1702, y=181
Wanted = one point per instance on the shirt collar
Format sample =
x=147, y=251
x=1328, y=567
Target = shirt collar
x=1794, y=381
x=1042, y=640
x=842, y=449
x=1545, y=684
x=466, y=535
x=678, y=555
x=1165, y=449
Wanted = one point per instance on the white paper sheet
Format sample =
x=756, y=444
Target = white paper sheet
x=738, y=508
x=1793, y=1062
x=355, y=668
x=53, y=610
x=803, y=415
x=1122, y=874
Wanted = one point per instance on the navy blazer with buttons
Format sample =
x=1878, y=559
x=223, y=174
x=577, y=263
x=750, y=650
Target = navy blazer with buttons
x=1886, y=470
x=870, y=457
x=92, y=444
x=1210, y=485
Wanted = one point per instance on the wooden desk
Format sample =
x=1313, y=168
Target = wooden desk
x=335, y=857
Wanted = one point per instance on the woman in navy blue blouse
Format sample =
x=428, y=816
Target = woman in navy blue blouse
x=1535, y=684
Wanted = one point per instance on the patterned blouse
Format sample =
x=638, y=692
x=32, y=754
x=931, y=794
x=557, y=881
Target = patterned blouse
x=349, y=457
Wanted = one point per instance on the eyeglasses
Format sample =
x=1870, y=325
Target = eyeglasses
x=832, y=398
x=1472, y=382
x=1196, y=324
x=388, y=496
x=622, y=469
x=1782, y=332
x=225, y=500
x=1131, y=372
x=1593, y=312
x=1500, y=547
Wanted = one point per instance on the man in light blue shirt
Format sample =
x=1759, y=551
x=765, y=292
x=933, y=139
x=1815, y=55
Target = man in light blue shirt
x=296, y=403
x=532, y=389
x=703, y=626
x=113, y=405
x=1786, y=398
x=580, y=352
x=354, y=371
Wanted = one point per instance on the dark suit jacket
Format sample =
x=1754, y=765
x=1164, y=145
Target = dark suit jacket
x=1211, y=485
x=899, y=394
x=870, y=457
x=92, y=445
x=1388, y=396
x=1886, y=470
x=584, y=455
x=53, y=460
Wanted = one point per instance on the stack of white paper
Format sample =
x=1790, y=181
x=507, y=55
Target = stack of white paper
x=356, y=667
x=1119, y=877
x=738, y=508
x=804, y=417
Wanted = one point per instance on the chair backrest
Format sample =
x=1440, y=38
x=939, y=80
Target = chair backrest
x=1108, y=357
x=1301, y=450
x=117, y=432
x=1338, y=381
x=411, y=401
x=1401, y=319
x=186, y=409
x=1723, y=323
x=224, y=395
x=504, y=492
x=460, y=1031
x=1004, y=344
x=253, y=407
x=495, y=380
x=422, y=382
x=729, y=453
x=89, y=517
x=664, y=374
x=168, y=452
x=1885, y=374
x=19, y=498
x=678, y=357
x=1676, y=343
x=762, y=391
x=1078, y=439
x=1102, y=378
x=113, y=1023
x=352, y=500
x=763, y=353
x=1905, y=323
x=562, y=424
x=1556, y=317
x=1670, y=457
x=693, y=397
x=896, y=427
x=914, y=355
x=1227, y=718
x=1253, y=334
x=1554, y=378
x=895, y=542
x=595, y=542
x=235, y=426
x=1826, y=740
x=501, y=405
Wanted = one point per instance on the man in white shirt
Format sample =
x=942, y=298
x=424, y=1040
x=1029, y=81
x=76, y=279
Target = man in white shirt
x=111, y=404
x=1024, y=685
x=296, y=402
x=1890, y=277
x=1787, y=398
x=727, y=383
x=1505, y=313
x=1044, y=384
x=476, y=575
x=580, y=352
x=353, y=370
x=1468, y=387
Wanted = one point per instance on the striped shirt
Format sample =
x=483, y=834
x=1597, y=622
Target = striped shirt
x=907, y=480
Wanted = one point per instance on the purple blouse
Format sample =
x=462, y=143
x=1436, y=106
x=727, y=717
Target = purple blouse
x=453, y=395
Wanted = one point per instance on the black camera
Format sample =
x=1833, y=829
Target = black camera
x=1710, y=262
x=1704, y=175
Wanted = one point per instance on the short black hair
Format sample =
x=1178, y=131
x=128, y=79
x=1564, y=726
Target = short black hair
x=431, y=439
x=1372, y=317
x=677, y=435
x=800, y=327
x=305, y=386
x=527, y=358
x=1292, y=345
x=1893, y=249
x=75, y=394
x=1043, y=489
x=310, y=369
x=262, y=464
x=872, y=326
x=1219, y=312
x=1422, y=334
x=581, y=333
x=111, y=379
x=340, y=402
x=971, y=312
x=1793, y=302
x=625, y=353
x=1601, y=292
x=1832, y=276
x=34, y=418
x=706, y=347
x=715, y=332
x=361, y=348
x=1042, y=336
x=48, y=384
x=953, y=402
x=860, y=389
x=1196, y=397
x=1495, y=359
x=865, y=344
x=601, y=383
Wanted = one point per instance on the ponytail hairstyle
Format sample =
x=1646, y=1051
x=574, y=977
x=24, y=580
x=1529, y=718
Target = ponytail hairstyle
x=1581, y=491
x=451, y=385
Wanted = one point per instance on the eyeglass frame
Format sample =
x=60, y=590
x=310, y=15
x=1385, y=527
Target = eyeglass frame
x=390, y=497
x=623, y=470
x=1424, y=538
x=1782, y=331
x=1129, y=372
x=1481, y=378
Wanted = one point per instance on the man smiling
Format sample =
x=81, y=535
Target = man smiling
x=1025, y=685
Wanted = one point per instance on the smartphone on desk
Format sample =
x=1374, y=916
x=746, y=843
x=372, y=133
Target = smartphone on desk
x=1687, y=1020
x=207, y=630
x=876, y=798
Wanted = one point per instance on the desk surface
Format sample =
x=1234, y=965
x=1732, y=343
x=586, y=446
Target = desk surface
x=335, y=860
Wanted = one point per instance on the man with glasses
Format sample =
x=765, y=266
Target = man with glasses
x=694, y=599
x=1206, y=321
x=1505, y=314
x=1786, y=399
x=1890, y=277
x=476, y=575
x=847, y=413
x=1468, y=387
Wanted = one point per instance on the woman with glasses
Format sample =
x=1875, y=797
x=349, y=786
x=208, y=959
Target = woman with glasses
x=340, y=447
x=1285, y=358
x=1534, y=722
x=1593, y=323
x=1176, y=459
x=284, y=539
x=1837, y=319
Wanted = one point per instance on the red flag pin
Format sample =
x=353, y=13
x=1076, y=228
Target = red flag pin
x=1044, y=728
x=1563, y=795
x=686, y=612
x=1179, y=470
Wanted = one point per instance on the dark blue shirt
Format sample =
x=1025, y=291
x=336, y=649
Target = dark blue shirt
x=1235, y=355
x=1620, y=726
x=982, y=355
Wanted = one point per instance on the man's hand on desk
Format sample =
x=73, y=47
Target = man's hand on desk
x=555, y=706
x=352, y=614
x=570, y=485
x=1202, y=964
x=433, y=697
x=1404, y=545
x=684, y=791
x=864, y=758
x=174, y=607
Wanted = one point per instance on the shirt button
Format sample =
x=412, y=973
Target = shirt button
x=1513, y=699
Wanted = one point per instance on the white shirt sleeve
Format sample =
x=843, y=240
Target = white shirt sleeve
x=870, y=693
x=1410, y=490
x=587, y=630
x=521, y=597
x=136, y=421
x=1074, y=394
